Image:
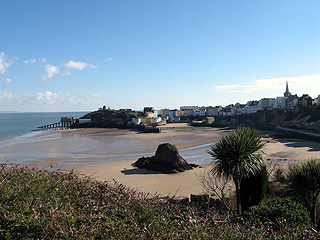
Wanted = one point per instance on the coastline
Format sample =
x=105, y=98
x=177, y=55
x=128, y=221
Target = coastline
x=280, y=152
x=108, y=154
x=81, y=147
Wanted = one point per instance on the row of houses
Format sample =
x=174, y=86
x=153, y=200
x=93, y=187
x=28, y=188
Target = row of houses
x=287, y=101
x=238, y=109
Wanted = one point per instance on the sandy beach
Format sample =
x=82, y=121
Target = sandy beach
x=81, y=147
x=108, y=154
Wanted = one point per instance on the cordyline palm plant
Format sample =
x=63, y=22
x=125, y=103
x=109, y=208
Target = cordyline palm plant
x=303, y=184
x=238, y=155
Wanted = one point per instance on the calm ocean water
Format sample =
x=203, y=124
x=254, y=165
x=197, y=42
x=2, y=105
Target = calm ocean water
x=14, y=125
x=19, y=144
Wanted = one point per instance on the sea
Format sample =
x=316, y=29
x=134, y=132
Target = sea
x=19, y=130
x=22, y=124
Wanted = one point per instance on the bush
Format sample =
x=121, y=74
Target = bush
x=37, y=204
x=280, y=210
x=253, y=188
x=303, y=184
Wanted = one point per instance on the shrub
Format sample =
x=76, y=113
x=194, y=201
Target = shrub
x=278, y=210
x=38, y=204
x=303, y=184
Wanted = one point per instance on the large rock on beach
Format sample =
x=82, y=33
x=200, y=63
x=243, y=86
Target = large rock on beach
x=167, y=160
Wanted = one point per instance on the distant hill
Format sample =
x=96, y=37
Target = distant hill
x=111, y=117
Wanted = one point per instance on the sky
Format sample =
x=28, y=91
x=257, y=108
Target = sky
x=80, y=55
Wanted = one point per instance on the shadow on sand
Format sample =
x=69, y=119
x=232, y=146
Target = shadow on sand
x=299, y=143
x=139, y=171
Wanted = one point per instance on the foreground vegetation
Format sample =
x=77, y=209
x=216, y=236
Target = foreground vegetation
x=238, y=155
x=38, y=204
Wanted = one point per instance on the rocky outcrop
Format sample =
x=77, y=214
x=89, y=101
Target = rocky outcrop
x=167, y=160
x=298, y=118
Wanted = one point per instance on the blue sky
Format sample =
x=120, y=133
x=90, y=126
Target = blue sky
x=80, y=55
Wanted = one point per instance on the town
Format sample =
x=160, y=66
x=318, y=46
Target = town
x=286, y=102
x=231, y=115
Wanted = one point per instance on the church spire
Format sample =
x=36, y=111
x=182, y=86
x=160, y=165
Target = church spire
x=287, y=93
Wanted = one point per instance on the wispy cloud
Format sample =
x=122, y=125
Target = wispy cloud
x=64, y=69
x=309, y=84
x=6, y=97
x=109, y=59
x=5, y=63
x=33, y=61
x=47, y=98
x=71, y=65
x=6, y=82
x=30, y=61
x=51, y=71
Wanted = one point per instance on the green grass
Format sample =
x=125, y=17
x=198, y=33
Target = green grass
x=38, y=204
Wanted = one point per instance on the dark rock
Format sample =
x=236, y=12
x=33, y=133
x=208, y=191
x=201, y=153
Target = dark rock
x=142, y=162
x=167, y=160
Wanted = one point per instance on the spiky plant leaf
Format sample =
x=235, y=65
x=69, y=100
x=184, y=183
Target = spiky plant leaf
x=237, y=155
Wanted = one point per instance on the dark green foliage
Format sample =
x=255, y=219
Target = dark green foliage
x=303, y=184
x=236, y=156
x=253, y=188
x=111, y=117
x=279, y=175
x=38, y=204
x=278, y=210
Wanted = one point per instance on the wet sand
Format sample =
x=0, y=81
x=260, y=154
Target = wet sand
x=75, y=148
x=282, y=152
x=108, y=154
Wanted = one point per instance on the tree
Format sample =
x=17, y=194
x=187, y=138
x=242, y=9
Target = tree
x=303, y=184
x=238, y=155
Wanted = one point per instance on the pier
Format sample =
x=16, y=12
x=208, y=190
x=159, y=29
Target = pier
x=65, y=123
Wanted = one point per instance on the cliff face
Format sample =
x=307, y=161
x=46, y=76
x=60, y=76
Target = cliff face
x=299, y=118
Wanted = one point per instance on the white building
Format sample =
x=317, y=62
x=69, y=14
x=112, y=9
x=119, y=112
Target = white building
x=155, y=120
x=135, y=121
x=201, y=112
x=279, y=102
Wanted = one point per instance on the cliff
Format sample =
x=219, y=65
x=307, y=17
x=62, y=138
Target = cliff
x=306, y=118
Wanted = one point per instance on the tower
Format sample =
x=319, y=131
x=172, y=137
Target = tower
x=287, y=93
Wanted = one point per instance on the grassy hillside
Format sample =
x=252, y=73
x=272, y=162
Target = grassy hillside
x=36, y=204
x=111, y=117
